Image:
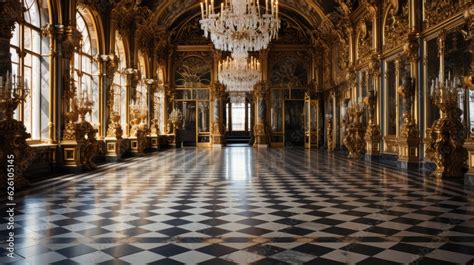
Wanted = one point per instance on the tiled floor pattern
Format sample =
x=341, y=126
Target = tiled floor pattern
x=244, y=206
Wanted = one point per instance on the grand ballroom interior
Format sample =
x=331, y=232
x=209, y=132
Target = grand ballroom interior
x=237, y=132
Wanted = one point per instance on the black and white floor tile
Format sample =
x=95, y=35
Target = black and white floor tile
x=243, y=206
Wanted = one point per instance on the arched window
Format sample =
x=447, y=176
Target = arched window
x=120, y=81
x=160, y=100
x=141, y=91
x=85, y=63
x=26, y=48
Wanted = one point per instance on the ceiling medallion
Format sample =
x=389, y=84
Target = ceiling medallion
x=241, y=25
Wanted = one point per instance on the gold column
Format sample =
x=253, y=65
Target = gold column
x=372, y=135
x=260, y=103
x=260, y=129
x=409, y=139
x=217, y=101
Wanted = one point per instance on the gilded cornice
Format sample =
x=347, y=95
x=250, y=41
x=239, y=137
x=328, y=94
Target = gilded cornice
x=396, y=24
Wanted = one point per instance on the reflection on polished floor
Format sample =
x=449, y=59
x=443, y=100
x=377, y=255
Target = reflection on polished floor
x=245, y=206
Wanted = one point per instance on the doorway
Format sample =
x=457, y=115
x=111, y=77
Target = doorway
x=294, y=122
x=238, y=122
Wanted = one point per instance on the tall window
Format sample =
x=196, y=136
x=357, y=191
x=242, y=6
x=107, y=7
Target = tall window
x=85, y=65
x=236, y=112
x=25, y=49
x=120, y=81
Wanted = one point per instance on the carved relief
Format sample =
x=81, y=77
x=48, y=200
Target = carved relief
x=193, y=69
x=289, y=69
x=153, y=39
x=354, y=133
x=364, y=41
x=396, y=24
x=436, y=11
x=129, y=14
x=191, y=33
x=291, y=33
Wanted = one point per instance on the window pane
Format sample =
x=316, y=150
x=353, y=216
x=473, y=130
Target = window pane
x=33, y=12
x=27, y=60
x=238, y=116
x=27, y=39
x=36, y=41
x=14, y=57
x=27, y=103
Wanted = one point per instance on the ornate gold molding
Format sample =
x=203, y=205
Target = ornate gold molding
x=396, y=24
x=436, y=11
x=354, y=132
x=129, y=14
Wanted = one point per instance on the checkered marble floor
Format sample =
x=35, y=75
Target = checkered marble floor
x=243, y=206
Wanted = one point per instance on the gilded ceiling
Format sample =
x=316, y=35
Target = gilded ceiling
x=313, y=11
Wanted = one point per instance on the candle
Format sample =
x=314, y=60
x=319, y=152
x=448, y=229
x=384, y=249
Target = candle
x=207, y=10
x=222, y=7
x=277, y=8
x=212, y=6
x=432, y=87
x=266, y=6
x=202, y=10
x=2, y=87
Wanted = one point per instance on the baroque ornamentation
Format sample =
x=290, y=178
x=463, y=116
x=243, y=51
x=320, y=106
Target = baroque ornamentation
x=129, y=14
x=329, y=132
x=190, y=34
x=153, y=39
x=291, y=33
x=139, y=128
x=439, y=10
x=289, y=68
x=411, y=47
x=354, y=132
x=115, y=128
x=396, y=24
x=11, y=11
x=364, y=41
x=71, y=41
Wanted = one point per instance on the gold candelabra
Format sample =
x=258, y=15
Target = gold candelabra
x=447, y=135
x=13, y=91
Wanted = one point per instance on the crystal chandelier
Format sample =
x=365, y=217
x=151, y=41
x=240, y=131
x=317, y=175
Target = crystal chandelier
x=239, y=73
x=240, y=26
x=237, y=97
